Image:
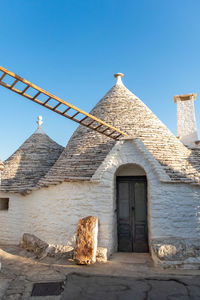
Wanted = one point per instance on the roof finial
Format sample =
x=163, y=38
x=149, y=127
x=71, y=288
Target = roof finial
x=39, y=122
x=118, y=77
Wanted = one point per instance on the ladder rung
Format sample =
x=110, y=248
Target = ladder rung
x=46, y=101
x=91, y=123
x=66, y=110
x=14, y=83
x=111, y=133
x=36, y=95
x=57, y=105
x=117, y=136
x=2, y=77
x=98, y=126
x=83, y=119
x=75, y=114
x=105, y=130
x=26, y=88
x=109, y=130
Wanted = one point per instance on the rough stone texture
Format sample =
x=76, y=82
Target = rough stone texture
x=177, y=252
x=167, y=251
x=42, y=249
x=31, y=243
x=87, y=149
x=172, y=289
x=86, y=241
x=186, y=123
x=87, y=287
x=52, y=213
x=59, y=251
x=118, y=279
x=80, y=286
x=24, y=168
x=101, y=255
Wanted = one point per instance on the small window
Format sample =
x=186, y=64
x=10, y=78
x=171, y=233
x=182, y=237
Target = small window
x=4, y=203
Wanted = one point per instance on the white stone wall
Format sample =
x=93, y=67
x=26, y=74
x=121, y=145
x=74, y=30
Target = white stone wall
x=186, y=122
x=52, y=213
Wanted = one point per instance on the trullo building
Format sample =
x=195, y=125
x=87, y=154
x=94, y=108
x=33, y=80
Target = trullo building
x=144, y=189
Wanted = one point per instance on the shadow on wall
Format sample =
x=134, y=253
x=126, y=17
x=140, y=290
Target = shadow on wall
x=189, y=171
x=194, y=159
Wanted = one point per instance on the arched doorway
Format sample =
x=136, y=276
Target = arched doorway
x=131, y=183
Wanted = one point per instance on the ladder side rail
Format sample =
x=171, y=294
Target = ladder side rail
x=51, y=96
x=50, y=107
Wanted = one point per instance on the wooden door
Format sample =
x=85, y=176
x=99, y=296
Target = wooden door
x=132, y=214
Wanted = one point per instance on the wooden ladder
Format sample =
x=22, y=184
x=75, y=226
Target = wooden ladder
x=59, y=106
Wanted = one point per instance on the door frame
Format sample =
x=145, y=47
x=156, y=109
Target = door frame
x=131, y=215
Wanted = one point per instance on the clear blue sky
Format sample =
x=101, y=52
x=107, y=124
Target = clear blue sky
x=73, y=48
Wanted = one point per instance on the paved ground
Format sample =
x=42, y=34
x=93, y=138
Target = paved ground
x=87, y=287
x=124, y=277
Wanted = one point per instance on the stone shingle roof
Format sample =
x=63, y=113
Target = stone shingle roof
x=29, y=163
x=87, y=149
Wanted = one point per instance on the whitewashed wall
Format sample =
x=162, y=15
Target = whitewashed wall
x=52, y=213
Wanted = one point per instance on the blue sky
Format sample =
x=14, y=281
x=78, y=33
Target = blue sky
x=73, y=48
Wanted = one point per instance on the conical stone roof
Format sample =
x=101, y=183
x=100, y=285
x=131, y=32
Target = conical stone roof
x=24, y=168
x=87, y=149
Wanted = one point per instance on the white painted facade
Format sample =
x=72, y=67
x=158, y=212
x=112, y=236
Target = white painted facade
x=52, y=213
x=186, y=122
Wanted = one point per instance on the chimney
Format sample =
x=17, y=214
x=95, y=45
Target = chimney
x=118, y=77
x=186, y=122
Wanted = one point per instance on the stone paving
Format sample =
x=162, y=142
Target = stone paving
x=125, y=276
x=87, y=287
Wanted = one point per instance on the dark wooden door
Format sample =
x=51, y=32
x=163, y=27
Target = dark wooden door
x=132, y=214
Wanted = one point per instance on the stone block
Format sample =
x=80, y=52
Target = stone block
x=180, y=252
x=41, y=249
x=32, y=243
x=166, y=251
x=101, y=255
x=59, y=251
x=86, y=241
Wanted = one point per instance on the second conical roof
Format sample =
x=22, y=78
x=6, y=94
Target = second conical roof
x=24, y=168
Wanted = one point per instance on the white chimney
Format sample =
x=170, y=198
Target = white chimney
x=186, y=122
